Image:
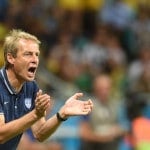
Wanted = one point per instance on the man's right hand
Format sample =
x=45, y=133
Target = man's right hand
x=42, y=103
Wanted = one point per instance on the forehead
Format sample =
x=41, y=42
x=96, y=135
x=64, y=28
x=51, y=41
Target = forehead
x=27, y=45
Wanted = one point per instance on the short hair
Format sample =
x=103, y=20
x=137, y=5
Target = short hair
x=11, y=42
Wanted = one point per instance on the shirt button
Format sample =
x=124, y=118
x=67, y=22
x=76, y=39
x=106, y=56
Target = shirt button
x=15, y=107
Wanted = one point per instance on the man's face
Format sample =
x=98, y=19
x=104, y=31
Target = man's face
x=102, y=88
x=26, y=61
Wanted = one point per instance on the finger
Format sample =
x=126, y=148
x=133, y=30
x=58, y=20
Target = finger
x=90, y=103
x=39, y=92
x=44, y=96
x=44, y=101
x=87, y=102
x=77, y=95
x=41, y=107
x=86, y=111
x=87, y=107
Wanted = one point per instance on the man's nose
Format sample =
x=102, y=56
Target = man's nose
x=35, y=58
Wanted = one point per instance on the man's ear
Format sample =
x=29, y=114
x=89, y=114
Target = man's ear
x=10, y=58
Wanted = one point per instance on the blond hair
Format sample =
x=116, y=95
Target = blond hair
x=11, y=42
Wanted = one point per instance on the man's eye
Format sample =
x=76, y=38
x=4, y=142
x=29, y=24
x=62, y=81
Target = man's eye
x=26, y=54
x=37, y=55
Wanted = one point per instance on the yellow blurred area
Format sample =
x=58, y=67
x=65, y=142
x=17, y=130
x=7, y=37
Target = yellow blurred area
x=3, y=32
x=94, y=4
x=1, y=56
x=71, y=4
x=134, y=3
x=81, y=4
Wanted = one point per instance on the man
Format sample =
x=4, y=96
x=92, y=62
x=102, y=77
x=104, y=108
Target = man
x=22, y=103
x=102, y=129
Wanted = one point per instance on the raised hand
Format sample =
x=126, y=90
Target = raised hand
x=74, y=106
x=42, y=102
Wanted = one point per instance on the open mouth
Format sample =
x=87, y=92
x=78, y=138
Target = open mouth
x=32, y=70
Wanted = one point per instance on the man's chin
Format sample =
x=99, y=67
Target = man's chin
x=30, y=78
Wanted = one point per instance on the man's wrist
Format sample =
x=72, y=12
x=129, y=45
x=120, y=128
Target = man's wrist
x=34, y=114
x=60, y=118
x=37, y=114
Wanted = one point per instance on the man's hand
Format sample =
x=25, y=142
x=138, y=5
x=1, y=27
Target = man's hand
x=75, y=107
x=42, y=103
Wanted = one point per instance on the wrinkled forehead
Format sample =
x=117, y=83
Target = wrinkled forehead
x=27, y=44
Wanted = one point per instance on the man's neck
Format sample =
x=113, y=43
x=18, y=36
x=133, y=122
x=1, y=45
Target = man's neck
x=14, y=81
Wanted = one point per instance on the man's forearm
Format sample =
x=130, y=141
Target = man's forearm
x=15, y=127
x=47, y=129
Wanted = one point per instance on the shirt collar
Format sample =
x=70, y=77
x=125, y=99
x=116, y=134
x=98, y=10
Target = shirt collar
x=4, y=75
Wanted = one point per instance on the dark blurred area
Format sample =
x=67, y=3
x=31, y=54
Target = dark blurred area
x=82, y=39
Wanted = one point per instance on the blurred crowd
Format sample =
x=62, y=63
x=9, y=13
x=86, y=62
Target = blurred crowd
x=103, y=48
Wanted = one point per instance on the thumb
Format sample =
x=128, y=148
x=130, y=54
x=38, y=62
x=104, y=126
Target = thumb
x=77, y=95
x=39, y=92
x=74, y=97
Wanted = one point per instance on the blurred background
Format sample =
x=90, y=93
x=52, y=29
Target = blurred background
x=85, y=43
